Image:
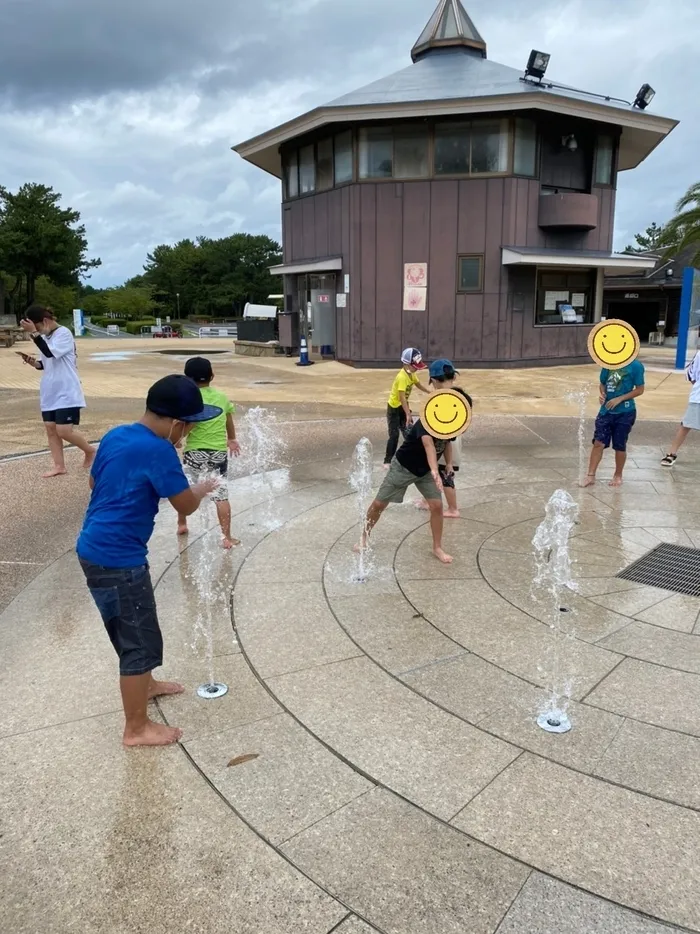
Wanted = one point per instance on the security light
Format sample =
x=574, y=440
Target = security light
x=537, y=64
x=645, y=95
x=569, y=142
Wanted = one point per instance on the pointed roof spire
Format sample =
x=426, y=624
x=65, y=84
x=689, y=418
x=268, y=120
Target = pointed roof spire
x=449, y=26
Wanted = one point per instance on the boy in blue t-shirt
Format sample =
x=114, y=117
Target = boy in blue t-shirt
x=618, y=413
x=136, y=466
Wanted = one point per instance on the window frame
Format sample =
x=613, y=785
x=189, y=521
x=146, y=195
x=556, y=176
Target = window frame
x=566, y=271
x=613, y=162
x=480, y=258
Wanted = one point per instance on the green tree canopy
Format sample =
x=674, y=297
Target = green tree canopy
x=683, y=230
x=129, y=302
x=39, y=238
x=650, y=240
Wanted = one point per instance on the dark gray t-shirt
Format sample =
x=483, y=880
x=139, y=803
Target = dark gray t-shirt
x=411, y=454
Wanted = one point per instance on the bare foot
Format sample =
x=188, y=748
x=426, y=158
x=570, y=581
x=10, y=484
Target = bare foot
x=442, y=556
x=182, y=529
x=451, y=514
x=54, y=472
x=161, y=688
x=589, y=480
x=152, y=734
x=421, y=504
x=89, y=459
x=616, y=481
x=229, y=543
x=386, y=466
x=360, y=547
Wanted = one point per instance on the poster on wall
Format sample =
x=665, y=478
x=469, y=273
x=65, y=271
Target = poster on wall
x=415, y=275
x=415, y=299
x=578, y=299
x=551, y=299
x=341, y=300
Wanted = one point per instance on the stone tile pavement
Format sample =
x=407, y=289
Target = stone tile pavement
x=375, y=765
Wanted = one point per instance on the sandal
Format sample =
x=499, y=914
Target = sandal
x=669, y=460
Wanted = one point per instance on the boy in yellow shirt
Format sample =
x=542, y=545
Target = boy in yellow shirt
x=398, y=412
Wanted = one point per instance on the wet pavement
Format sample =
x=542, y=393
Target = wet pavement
x=375, y=765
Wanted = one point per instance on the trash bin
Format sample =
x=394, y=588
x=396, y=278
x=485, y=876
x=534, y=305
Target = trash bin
x=289, y=331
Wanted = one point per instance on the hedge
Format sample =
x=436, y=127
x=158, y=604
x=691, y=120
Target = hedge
x=134, y=327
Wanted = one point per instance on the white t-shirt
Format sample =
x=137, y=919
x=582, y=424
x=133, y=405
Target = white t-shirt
x=693, y=374
x=60, y=384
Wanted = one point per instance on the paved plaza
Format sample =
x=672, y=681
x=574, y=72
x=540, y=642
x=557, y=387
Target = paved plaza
x=375, y=765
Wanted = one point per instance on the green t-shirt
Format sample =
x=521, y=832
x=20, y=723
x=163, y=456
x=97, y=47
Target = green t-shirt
x=211, y=436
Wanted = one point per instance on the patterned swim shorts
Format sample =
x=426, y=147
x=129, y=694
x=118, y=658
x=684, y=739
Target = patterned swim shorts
x=202, y=464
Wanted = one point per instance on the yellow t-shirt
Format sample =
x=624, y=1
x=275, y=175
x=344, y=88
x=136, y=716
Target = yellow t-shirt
x=404, y=382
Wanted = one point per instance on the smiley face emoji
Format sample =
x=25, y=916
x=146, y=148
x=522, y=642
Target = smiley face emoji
x=613, y=344
x=446, y=414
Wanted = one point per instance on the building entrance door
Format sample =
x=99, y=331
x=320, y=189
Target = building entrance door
x=643, y=316
x=317, y=311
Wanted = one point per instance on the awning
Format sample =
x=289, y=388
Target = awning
x=294, y=269
x=589, y=259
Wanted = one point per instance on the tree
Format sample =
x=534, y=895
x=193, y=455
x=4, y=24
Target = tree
x=62, y=299
x=647, y=242
x=129, y=302
x=683, y=230
x=40, y=238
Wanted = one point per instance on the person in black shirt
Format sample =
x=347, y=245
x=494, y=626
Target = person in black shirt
x=415, y=462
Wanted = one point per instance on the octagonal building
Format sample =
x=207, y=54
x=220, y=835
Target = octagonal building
x=458, y=206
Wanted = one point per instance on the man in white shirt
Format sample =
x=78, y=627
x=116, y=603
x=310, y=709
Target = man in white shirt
x=60, y=394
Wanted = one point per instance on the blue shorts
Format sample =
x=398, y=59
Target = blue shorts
x=127, y=605
x=614, y=429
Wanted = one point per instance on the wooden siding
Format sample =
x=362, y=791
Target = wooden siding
x=378, y=227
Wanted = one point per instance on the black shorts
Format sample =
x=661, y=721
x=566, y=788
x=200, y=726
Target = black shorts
x=62, y=416
x=127, y=605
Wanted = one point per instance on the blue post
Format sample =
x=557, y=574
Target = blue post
x=684, y=317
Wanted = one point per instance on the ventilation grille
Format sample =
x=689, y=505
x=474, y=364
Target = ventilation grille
x=670, y=567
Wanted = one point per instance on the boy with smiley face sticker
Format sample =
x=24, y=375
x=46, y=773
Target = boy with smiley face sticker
x=446, y=414
x=614, y=345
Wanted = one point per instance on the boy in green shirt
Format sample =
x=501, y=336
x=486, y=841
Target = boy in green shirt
x=398, y=411
x=208, y=445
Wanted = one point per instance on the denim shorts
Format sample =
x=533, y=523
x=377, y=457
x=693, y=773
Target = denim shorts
x=127, y=605
x=614, y=429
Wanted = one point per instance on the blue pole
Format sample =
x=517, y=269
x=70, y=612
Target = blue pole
x=684, y=317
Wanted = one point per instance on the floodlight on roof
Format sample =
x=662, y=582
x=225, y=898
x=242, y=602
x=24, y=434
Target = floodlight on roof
x=537, y=64
x=645, y=95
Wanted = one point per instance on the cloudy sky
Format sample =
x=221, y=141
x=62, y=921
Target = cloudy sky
x=130, y=108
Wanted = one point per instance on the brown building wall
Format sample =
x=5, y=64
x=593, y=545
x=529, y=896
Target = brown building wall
x=378, y=227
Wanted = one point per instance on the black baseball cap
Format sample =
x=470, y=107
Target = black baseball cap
x=199, y=369
x=178, y=397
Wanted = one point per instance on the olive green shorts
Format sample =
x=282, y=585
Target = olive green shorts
x=398, y=480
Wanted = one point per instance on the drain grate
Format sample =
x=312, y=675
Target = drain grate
x=670, y=567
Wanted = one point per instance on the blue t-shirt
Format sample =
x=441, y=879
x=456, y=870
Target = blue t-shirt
x=134, y=469
x=619, y=383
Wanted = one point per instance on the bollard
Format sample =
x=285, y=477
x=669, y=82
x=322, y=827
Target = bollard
x=304, y=353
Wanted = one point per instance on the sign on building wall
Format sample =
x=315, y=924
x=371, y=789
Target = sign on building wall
x=347, y=284
x=415, y=286
x=341, y=300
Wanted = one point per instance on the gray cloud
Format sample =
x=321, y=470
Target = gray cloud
x=130, y=109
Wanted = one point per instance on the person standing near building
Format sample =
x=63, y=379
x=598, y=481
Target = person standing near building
x=60, y=393
x=691, y=419
x=618, y=413
x=398, y=412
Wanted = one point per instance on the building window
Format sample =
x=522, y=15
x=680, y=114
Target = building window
x=565, y=296
x=291, y=175
x=411, y=152
x=307, y=170
x=525, y=148
x=343, y=158
x=604, y=160
x=376, y=152
x=324, y=164
x=470, y=273
x=476, y=148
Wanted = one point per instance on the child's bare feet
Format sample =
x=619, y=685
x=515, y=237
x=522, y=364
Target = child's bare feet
x=161, y=688
x=229, y=543
x=421, y=504
x=182, y=529
x=442, y=556
x=588, y=480
x=361, y=546
x=89, y=459
x=386, y=466
x=451, y=514
x=152, y=734
x=54, y=472
x=616, y=481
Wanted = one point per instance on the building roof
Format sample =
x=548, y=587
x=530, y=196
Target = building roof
x=449, y=26
x=451, y=75
x=667, y=272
